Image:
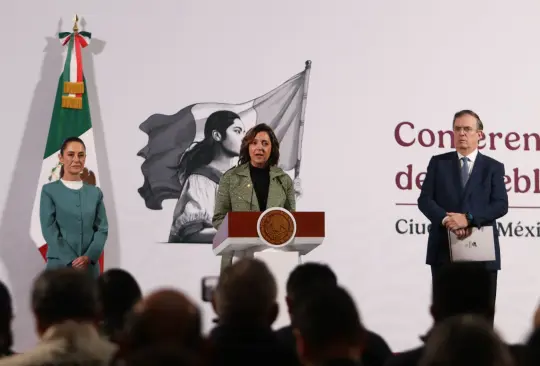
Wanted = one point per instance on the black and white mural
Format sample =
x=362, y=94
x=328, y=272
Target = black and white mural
x=188, y=152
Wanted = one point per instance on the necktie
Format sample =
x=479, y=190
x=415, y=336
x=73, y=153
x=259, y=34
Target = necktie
x=464, y=171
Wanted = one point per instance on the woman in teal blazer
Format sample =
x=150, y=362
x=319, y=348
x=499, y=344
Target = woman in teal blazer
x=72, y=214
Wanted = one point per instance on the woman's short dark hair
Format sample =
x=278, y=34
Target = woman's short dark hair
x=250, y=136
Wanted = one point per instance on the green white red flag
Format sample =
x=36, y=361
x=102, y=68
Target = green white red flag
x=70, y=117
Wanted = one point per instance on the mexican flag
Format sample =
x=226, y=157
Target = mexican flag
x=70, y=117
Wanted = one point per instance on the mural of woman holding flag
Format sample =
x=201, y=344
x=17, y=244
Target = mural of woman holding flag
x=188, y=152
x=200, y=170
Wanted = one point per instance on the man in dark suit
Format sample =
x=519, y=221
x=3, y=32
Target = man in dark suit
x=462, y=190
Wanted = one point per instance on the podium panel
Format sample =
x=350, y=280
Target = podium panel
x=277, y=237
x=281, y=264
x=238, y=232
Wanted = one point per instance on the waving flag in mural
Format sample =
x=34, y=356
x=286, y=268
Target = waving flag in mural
x=202, y=141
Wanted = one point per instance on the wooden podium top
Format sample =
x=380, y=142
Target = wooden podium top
x=244, y=225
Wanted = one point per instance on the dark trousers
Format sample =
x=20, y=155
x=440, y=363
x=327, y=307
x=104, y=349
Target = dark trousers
x=493, y=275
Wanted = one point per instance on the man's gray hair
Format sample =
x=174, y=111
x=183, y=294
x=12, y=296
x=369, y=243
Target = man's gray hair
x=479, y=123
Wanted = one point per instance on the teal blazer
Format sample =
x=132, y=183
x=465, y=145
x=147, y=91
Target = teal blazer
x=73, y=223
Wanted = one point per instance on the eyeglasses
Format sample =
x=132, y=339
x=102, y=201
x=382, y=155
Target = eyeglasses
x=464, y=129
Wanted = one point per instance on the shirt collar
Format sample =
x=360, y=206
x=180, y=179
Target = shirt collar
x=472, y=156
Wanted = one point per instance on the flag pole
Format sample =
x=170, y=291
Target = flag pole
x=302, y=119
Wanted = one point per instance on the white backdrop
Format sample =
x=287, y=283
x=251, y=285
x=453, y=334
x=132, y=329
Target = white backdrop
x=375, y=64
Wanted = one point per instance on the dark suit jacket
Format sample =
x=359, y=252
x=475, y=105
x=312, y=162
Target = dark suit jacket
x=484, y=197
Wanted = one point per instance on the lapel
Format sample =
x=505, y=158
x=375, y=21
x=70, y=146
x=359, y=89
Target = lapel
x=245, y=189
x=475, y=176
x=275, y=198
x=247, y=192
x=456, y=174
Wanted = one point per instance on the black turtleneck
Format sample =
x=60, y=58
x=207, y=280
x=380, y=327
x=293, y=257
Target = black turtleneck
x=261, y=182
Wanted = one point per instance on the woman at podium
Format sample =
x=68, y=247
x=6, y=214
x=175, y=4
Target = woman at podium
x=256, y=183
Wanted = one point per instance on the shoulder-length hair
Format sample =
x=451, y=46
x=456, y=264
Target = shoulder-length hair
x=202, y=153
x=250, y=136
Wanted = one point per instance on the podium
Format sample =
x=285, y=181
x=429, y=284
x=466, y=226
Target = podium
x=245, y=233
x=276, y=236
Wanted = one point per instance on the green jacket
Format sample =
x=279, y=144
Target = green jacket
x=236, y=193
x=73, y=223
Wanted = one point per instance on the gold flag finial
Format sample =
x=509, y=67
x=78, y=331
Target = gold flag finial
x=75, y=25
